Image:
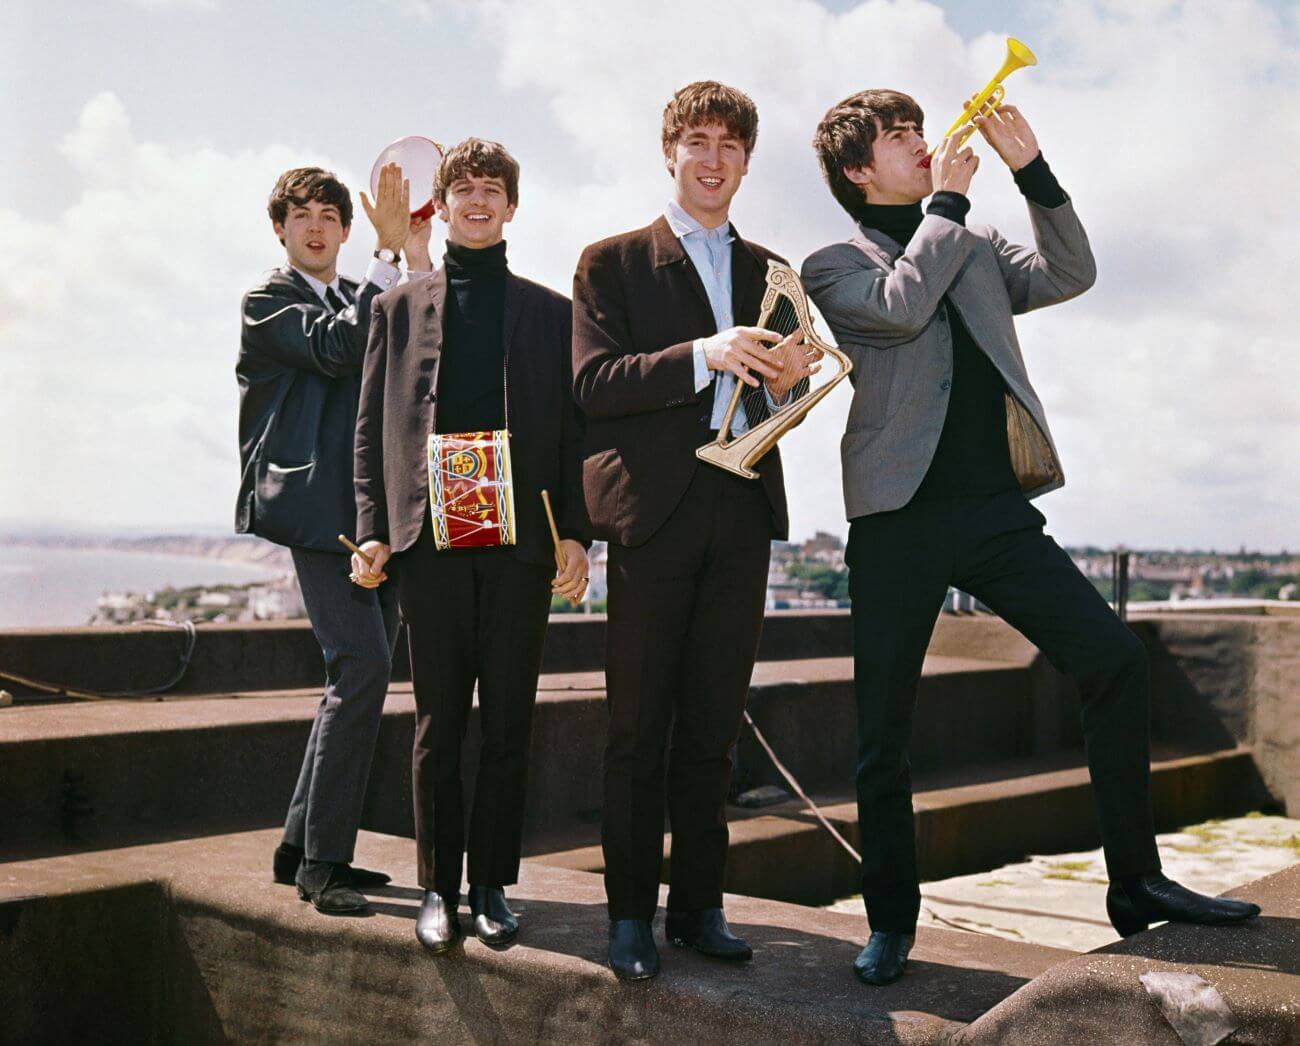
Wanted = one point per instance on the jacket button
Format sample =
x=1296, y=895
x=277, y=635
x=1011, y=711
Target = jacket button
x=945, y=384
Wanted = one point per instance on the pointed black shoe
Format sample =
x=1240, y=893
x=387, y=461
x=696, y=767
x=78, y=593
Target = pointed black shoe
x=329, y=888
x=1134, y=903
x=284, y=869
x=632, y=952
x=883, y=959
x=708, y=933
x=494, y=922
x=438, y=925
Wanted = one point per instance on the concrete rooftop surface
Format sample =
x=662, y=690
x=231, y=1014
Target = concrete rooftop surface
x=136, y=902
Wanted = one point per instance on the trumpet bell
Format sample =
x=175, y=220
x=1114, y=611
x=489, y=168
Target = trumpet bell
x=1019, y=56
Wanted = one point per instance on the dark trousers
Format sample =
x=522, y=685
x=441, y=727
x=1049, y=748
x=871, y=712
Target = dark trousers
x=472, y=615
x=900, y=566
x=685, y=613
x=356, y=629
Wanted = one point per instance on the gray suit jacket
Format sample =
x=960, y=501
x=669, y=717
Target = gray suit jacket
x=882, y=304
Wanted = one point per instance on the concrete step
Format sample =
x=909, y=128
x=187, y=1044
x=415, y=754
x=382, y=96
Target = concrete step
x=1015, y=809
x=107, y=773
x=219, y=953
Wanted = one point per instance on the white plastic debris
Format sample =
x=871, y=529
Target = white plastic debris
x=6, y=699
x=1192, y=1006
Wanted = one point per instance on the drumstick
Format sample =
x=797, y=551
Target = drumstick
x=353, y=548
x=555, y=534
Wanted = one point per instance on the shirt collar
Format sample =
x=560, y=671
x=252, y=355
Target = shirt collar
x=317, y=285
x=683, y=225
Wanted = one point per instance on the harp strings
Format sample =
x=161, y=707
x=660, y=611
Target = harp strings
x=784, y=320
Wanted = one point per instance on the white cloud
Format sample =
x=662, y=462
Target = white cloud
x=119, y=323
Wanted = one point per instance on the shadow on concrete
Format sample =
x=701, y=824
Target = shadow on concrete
x=1206, y=713
x=1236, y=947
x=784, y=958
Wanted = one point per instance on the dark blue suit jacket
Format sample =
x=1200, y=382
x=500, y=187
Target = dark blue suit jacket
x=299, y=374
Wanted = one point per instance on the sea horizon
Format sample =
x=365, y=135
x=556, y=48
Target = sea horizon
x=56, y=587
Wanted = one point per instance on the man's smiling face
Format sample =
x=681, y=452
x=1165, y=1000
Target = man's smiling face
x=707, y=164
x=476, y=209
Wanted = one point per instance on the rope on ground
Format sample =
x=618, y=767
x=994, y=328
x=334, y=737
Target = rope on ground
x=798, y=789
x=191, y=637
x=816, y=812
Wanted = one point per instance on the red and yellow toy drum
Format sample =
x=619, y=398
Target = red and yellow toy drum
x=471, y=493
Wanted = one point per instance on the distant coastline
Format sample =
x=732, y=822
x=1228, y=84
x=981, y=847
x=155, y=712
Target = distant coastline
x=60, y=581
x=190, y=546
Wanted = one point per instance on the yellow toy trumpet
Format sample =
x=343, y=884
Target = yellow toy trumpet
x=1018, y=57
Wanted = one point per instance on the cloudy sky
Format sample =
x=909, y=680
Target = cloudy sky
x=141, y=140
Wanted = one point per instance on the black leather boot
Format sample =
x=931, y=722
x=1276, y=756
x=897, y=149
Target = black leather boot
x=494, y=922
x=438, y=925
x=1135, y=902
x=632, y=952
x=329, y=888
x=883, y=959
x=708, y=933
x=284, y=869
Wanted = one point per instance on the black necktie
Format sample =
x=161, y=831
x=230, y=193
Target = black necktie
x=337, y=302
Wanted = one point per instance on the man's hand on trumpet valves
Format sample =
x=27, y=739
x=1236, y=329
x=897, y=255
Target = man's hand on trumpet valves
x=1009, y=134
x=571, y=575
x=952, y=168
x=370, y=575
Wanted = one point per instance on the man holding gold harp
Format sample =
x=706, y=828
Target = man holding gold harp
x=662, y=331
x=946, y=442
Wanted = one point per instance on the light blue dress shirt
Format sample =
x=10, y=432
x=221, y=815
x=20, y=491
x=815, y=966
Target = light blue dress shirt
x=710, y=252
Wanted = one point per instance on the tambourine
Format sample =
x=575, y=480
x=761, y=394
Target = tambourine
x=419, y=158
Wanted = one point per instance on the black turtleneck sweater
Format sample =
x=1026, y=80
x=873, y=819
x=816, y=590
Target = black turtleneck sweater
x=471, y=374
x=972, y=458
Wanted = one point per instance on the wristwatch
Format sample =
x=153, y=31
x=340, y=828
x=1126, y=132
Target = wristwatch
x=387, y=256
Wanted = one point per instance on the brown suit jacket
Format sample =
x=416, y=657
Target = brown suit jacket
x=638, y=304
x=399, y=385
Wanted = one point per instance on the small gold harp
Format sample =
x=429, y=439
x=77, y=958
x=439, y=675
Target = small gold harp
x=784, y=311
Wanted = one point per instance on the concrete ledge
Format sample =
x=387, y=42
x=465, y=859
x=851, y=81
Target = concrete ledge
x=110, y=773
x=254, y=963
x=284, y=654
x=1255, y=968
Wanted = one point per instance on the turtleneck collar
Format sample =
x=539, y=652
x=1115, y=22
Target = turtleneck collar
x=898, y=221
x=476, y=261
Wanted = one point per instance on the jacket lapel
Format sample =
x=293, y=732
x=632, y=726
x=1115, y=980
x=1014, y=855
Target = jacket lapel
x=514, y=309
x=294, y=277
x=425, y=348
x=877, y=246
x=748, y=280
x=667, y=251
x=428, y=334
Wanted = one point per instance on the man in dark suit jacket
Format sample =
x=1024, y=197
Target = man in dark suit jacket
x=657, y=351
x=474, y=349
x=299, y=371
